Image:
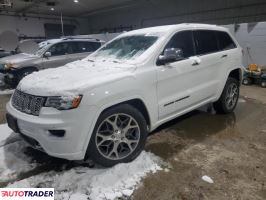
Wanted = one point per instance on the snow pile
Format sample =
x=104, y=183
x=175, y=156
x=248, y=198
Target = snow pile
x=6, y=91
x=77, y=183
x=96, y=184
x=13, y=161
x=5, y=132
x=240, y=100
x=207, y=179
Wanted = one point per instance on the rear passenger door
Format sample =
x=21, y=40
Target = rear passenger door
x=192, y=81
x=211, y=60
x=230, y=55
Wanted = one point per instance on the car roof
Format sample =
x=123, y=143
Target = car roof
x=80, y=39
x=167, y=28
x=53, y=41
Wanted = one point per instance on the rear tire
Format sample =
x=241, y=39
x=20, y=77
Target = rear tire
x=229, y=98
x=119, y=136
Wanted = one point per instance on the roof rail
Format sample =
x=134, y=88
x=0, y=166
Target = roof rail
x=79, y=37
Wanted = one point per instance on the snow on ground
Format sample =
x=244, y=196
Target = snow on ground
x=13, y=161
x=97, y=183
x=6, y=92
x=241, y=100
x=5, y=132
x=77, y=183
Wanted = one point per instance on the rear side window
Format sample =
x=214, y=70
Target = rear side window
x=93, y=46
x=81, y=47
x=184, y=41
x=206, y=42
x=225, y=42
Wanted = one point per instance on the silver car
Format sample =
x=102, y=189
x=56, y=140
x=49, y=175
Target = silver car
x=52, y=53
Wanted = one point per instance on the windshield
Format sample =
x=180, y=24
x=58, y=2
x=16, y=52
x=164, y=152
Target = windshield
x=129, y=47
x=41, y=50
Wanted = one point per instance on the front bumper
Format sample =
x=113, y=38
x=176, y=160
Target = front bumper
x=77, y=123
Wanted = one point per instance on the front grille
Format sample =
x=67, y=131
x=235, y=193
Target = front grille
x=27, y=103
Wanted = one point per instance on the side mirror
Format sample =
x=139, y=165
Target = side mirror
x=47, y=54
x=171, y=55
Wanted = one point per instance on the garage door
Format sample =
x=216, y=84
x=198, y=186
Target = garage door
x=55, y=30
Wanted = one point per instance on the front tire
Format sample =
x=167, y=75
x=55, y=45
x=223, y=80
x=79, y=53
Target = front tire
x=229, y=98
x=263, y=84
x=119, y=136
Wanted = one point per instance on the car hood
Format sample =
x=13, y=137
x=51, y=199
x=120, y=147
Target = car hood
x=74, y=78
x=18, y=59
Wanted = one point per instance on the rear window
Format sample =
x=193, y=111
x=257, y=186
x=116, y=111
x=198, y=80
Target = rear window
x=206, y=42
x=225, y=42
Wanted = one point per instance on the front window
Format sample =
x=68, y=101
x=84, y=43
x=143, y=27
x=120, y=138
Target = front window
x=41, y=50
x=60, y=49
x=129, y=47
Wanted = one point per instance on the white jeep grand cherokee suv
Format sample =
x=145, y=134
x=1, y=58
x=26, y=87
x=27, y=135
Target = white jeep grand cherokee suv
x=104, y=106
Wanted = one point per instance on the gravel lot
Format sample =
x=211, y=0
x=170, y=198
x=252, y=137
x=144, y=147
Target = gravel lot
x=231, y=149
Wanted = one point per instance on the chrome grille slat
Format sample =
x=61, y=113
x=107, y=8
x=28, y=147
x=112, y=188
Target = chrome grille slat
x=27, y=103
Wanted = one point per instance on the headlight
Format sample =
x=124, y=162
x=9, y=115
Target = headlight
x=9, y=65
x=63, y=103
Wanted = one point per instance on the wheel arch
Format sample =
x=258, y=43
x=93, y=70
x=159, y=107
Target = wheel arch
x=137, y=103
x=236, y=74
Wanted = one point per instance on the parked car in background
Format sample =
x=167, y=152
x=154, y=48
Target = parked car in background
x=4, y=53
x=104, y=106
x=52, y=53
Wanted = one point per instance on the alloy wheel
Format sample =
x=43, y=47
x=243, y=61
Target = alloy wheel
x=117, y=136
x=231, y=96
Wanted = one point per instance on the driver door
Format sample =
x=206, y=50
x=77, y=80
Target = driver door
x=59, y=55
x=177, y=79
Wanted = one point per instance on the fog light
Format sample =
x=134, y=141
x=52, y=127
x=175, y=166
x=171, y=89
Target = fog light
x=57, y=133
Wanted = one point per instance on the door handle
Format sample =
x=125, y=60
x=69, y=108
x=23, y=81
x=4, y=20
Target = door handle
x=224, y=56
